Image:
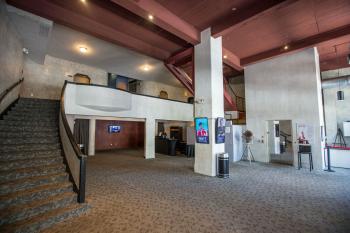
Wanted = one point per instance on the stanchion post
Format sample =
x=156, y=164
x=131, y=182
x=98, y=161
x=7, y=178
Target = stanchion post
x=328, y=160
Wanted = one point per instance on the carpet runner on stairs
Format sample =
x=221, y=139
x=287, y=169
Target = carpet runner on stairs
x=35, y=191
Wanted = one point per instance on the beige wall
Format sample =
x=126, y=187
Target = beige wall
x=46, y=81
x=11, y=57
x=154, y=88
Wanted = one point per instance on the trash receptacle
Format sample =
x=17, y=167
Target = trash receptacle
x=223, y=165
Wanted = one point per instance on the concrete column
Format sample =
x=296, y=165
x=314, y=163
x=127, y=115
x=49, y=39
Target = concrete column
x=92, y=133
x=150, y=134
x=209, y=96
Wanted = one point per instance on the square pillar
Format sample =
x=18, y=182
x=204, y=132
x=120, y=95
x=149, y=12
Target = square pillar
x=209, y=99
x=150, y=134
x=92, y=133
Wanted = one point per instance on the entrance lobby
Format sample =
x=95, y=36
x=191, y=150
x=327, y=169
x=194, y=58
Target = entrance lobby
x=130, y=194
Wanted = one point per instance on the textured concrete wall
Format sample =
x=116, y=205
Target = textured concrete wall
x=154, y=88
x=46, y=81
x=285, y=88
x=11, y=56
x=336, y=112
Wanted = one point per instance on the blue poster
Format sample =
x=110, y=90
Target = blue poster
x=220, y=130
x=202, y=130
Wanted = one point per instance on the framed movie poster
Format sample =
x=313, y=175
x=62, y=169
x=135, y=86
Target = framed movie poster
x=220, y=130
x=202, y=130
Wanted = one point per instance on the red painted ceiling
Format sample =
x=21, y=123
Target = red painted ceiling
x=202, y=13
x=260, y=36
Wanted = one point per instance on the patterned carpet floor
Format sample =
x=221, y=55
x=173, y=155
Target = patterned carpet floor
x=130, y=194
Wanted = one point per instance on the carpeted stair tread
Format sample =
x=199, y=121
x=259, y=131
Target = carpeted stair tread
x=16, y=128
x=42, y=221
x=26, y=172
x=28, y=134
x=31, y=209
x=25, y=163
x=32, y=114
x=27, y=123
x=50, y=186
x=28, y=196
x=23, y=154
x=29, y=147
x=31, y=182
x=52, y=118
x=28, y=140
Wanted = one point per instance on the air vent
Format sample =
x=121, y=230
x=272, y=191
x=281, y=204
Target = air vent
x=44, y=30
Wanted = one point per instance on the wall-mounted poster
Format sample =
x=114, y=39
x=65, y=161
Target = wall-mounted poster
x=304, y=134
x=202, y=130
x=220, y=130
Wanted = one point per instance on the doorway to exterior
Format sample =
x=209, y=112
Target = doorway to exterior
x=280, y=141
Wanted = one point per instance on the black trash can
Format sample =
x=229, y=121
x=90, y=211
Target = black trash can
x=223, y=165
x=172, y=147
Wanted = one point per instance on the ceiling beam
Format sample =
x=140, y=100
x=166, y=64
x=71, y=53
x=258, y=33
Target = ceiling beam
x=178, y=57
x=88, y=25
x=298, y=45
x=231, y=59
x=240, y=16
x=163, y=18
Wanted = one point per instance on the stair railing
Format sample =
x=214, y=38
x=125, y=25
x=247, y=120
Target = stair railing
x=240, y=101
x=5, y=93
x=76, y=160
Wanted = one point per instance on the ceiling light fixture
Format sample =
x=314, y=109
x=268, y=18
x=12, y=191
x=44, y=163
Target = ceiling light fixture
x=234, y=9
x=150, y=17
x=83, y=1
x=286, y=47
x=340, y=93
x=146, y=67
x=225, y=56
x=83, y=49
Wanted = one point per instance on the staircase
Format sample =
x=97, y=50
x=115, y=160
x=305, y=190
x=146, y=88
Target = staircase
x=35, y=191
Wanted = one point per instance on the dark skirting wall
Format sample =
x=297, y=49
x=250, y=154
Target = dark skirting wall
x=131, y=136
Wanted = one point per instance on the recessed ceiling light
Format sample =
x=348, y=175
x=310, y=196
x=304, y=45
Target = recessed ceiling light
x=234, y=9
x=225, y=56
x=83, y=49
x=83, y=1
x=286, y=47
x=150, y=17
x=146, y=67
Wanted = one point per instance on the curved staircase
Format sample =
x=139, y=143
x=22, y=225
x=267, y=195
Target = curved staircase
x=35, y=191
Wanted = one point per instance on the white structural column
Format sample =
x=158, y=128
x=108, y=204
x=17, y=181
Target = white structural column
x=150, y=134
x=209, y=96
x=92, y=132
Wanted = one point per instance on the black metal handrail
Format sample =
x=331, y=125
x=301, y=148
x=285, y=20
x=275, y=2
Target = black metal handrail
x=8, y=90
x=237, y=98
x=77, y=151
